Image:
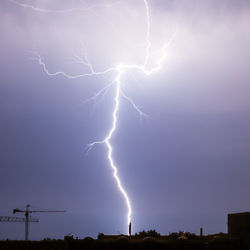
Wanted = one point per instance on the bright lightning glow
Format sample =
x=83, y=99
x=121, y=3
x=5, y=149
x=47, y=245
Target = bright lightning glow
x=120, y=70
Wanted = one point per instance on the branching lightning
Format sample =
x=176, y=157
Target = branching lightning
x=120, y=70
x=42, y=10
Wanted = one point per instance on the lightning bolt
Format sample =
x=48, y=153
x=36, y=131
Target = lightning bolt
x=120, y=70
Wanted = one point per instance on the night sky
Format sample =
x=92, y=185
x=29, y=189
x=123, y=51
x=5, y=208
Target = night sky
x=186, y=166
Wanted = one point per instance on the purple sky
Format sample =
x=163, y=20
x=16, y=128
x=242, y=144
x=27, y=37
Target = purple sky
x=184, y=168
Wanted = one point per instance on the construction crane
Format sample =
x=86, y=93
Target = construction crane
x=28, y=219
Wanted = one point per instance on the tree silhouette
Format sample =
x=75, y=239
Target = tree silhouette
x=149, y=233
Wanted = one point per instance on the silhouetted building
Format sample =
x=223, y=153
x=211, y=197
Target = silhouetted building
x=239, y=227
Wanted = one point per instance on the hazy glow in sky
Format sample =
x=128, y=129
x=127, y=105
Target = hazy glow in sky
x=193, y=150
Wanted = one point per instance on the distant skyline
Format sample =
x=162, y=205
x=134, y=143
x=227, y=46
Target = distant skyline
x=185, y=167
